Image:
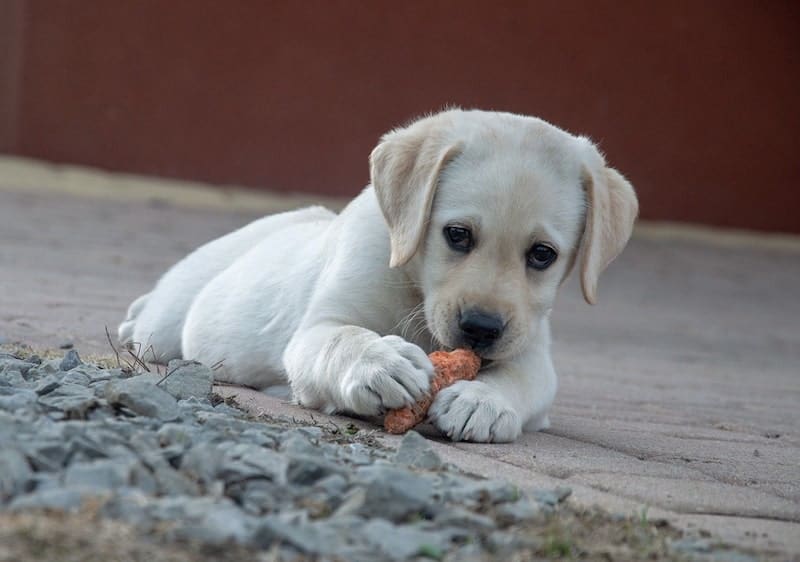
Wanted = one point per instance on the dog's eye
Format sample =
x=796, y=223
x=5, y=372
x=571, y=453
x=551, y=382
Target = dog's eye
x=541, y=257
x=459, y=238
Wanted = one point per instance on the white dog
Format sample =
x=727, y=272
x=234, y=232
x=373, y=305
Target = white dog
x=472, y=222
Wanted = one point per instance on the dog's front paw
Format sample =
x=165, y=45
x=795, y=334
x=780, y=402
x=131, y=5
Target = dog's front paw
x=473, y=411
x=390, y=373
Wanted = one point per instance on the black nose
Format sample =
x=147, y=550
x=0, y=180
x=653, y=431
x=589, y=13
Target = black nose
x=480, y=329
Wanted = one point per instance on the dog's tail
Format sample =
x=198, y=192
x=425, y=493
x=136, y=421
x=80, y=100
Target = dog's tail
x=127, y=327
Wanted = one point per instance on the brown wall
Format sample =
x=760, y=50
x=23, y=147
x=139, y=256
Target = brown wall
x=696, y=102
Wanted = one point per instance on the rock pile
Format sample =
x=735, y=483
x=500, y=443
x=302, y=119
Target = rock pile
x=162, y=453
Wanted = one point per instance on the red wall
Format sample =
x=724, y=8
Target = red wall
x=696, y=102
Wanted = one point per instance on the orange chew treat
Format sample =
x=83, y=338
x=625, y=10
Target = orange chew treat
x=453, y=366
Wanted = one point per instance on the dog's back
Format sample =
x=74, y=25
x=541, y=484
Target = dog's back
x=154, y=323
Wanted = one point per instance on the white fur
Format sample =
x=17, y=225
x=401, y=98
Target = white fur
x=309, y=297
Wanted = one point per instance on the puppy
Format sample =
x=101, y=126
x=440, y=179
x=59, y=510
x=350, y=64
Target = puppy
x=472, y=222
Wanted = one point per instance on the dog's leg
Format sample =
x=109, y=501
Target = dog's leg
x=352, y=369
x=505, y=397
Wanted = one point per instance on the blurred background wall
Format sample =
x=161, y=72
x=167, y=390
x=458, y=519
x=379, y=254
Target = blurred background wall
x=697, y=102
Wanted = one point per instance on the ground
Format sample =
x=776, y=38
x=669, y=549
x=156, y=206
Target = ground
x=678, y=392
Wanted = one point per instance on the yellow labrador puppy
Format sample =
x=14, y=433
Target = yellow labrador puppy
x=472, y=222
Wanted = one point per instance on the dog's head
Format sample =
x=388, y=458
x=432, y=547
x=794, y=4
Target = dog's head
x=490, y=211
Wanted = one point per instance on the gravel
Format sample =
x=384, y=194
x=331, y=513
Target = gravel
x=159, y=452
x=162, y=453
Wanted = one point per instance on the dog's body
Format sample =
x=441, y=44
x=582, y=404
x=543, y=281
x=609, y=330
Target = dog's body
x=453, y=247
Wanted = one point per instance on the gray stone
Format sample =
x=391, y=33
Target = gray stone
x=188, y=379
x=465, y=519
x=176, y=434
x=393, y=493
x=87, y=444
x=359, y=454
x=73, y=400
x=244, y=461
x=13, y=377
x=260, y=437
x=110, y=474
x=552, y=497
x=397, y=542
x=332, y=485
x=10, y=362
x=179, y=507
x=16, y=475
x=416, y=452
x=515, y=512
x=470, y=552
x=49, y=367
x=61, y=499
x=75, y=377
x=483, y=491
x=504, y=542
x=298, y=443
x=220, y=525
x=143, y=398
x=46, y=385
x=316, y=538
x=190, y=406
x=202, y=462
x=304, y=470
x=70, y=361
x=258, y=496
x=45, y=454
x=15, y=398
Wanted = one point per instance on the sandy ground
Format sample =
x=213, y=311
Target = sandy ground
x=679, y=391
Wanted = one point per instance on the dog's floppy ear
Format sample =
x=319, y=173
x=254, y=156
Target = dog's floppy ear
x=611, y=209
x=405, y=168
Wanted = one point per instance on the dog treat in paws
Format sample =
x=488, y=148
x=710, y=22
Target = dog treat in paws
x=450, y=367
